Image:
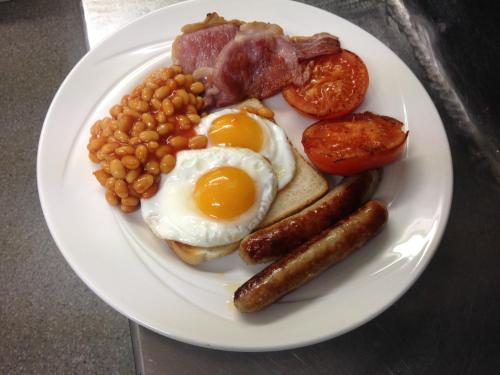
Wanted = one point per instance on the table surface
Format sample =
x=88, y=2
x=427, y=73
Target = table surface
x=448, y=322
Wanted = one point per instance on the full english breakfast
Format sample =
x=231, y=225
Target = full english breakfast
x=209, y=183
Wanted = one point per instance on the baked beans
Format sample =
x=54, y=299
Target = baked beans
x=167, y=163
x=198, y=141
x=263, y=111
x=139, y=140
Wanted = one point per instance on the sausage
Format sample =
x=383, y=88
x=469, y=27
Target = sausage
x=310, y=259
x=276, y=240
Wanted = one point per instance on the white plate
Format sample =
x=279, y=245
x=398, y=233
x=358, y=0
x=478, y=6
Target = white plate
x=123, y=263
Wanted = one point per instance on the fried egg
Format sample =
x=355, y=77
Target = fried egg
x=238, y=128
x=212, y=197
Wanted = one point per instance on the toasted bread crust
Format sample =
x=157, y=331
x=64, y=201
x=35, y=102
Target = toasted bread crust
x=195, y=255
x=306, y=187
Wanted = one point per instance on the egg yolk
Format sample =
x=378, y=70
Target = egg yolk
x=224, y=192
x=236, y=130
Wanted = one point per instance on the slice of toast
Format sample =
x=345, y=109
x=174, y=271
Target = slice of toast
x=306, y=187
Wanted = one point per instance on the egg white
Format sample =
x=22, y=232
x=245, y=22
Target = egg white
x=172, y=213
x=275, y=148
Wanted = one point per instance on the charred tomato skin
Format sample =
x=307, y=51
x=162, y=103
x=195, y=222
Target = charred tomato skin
x=355, y=143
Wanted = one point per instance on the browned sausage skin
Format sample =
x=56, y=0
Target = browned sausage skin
x=273, y=242
x=310, y=259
